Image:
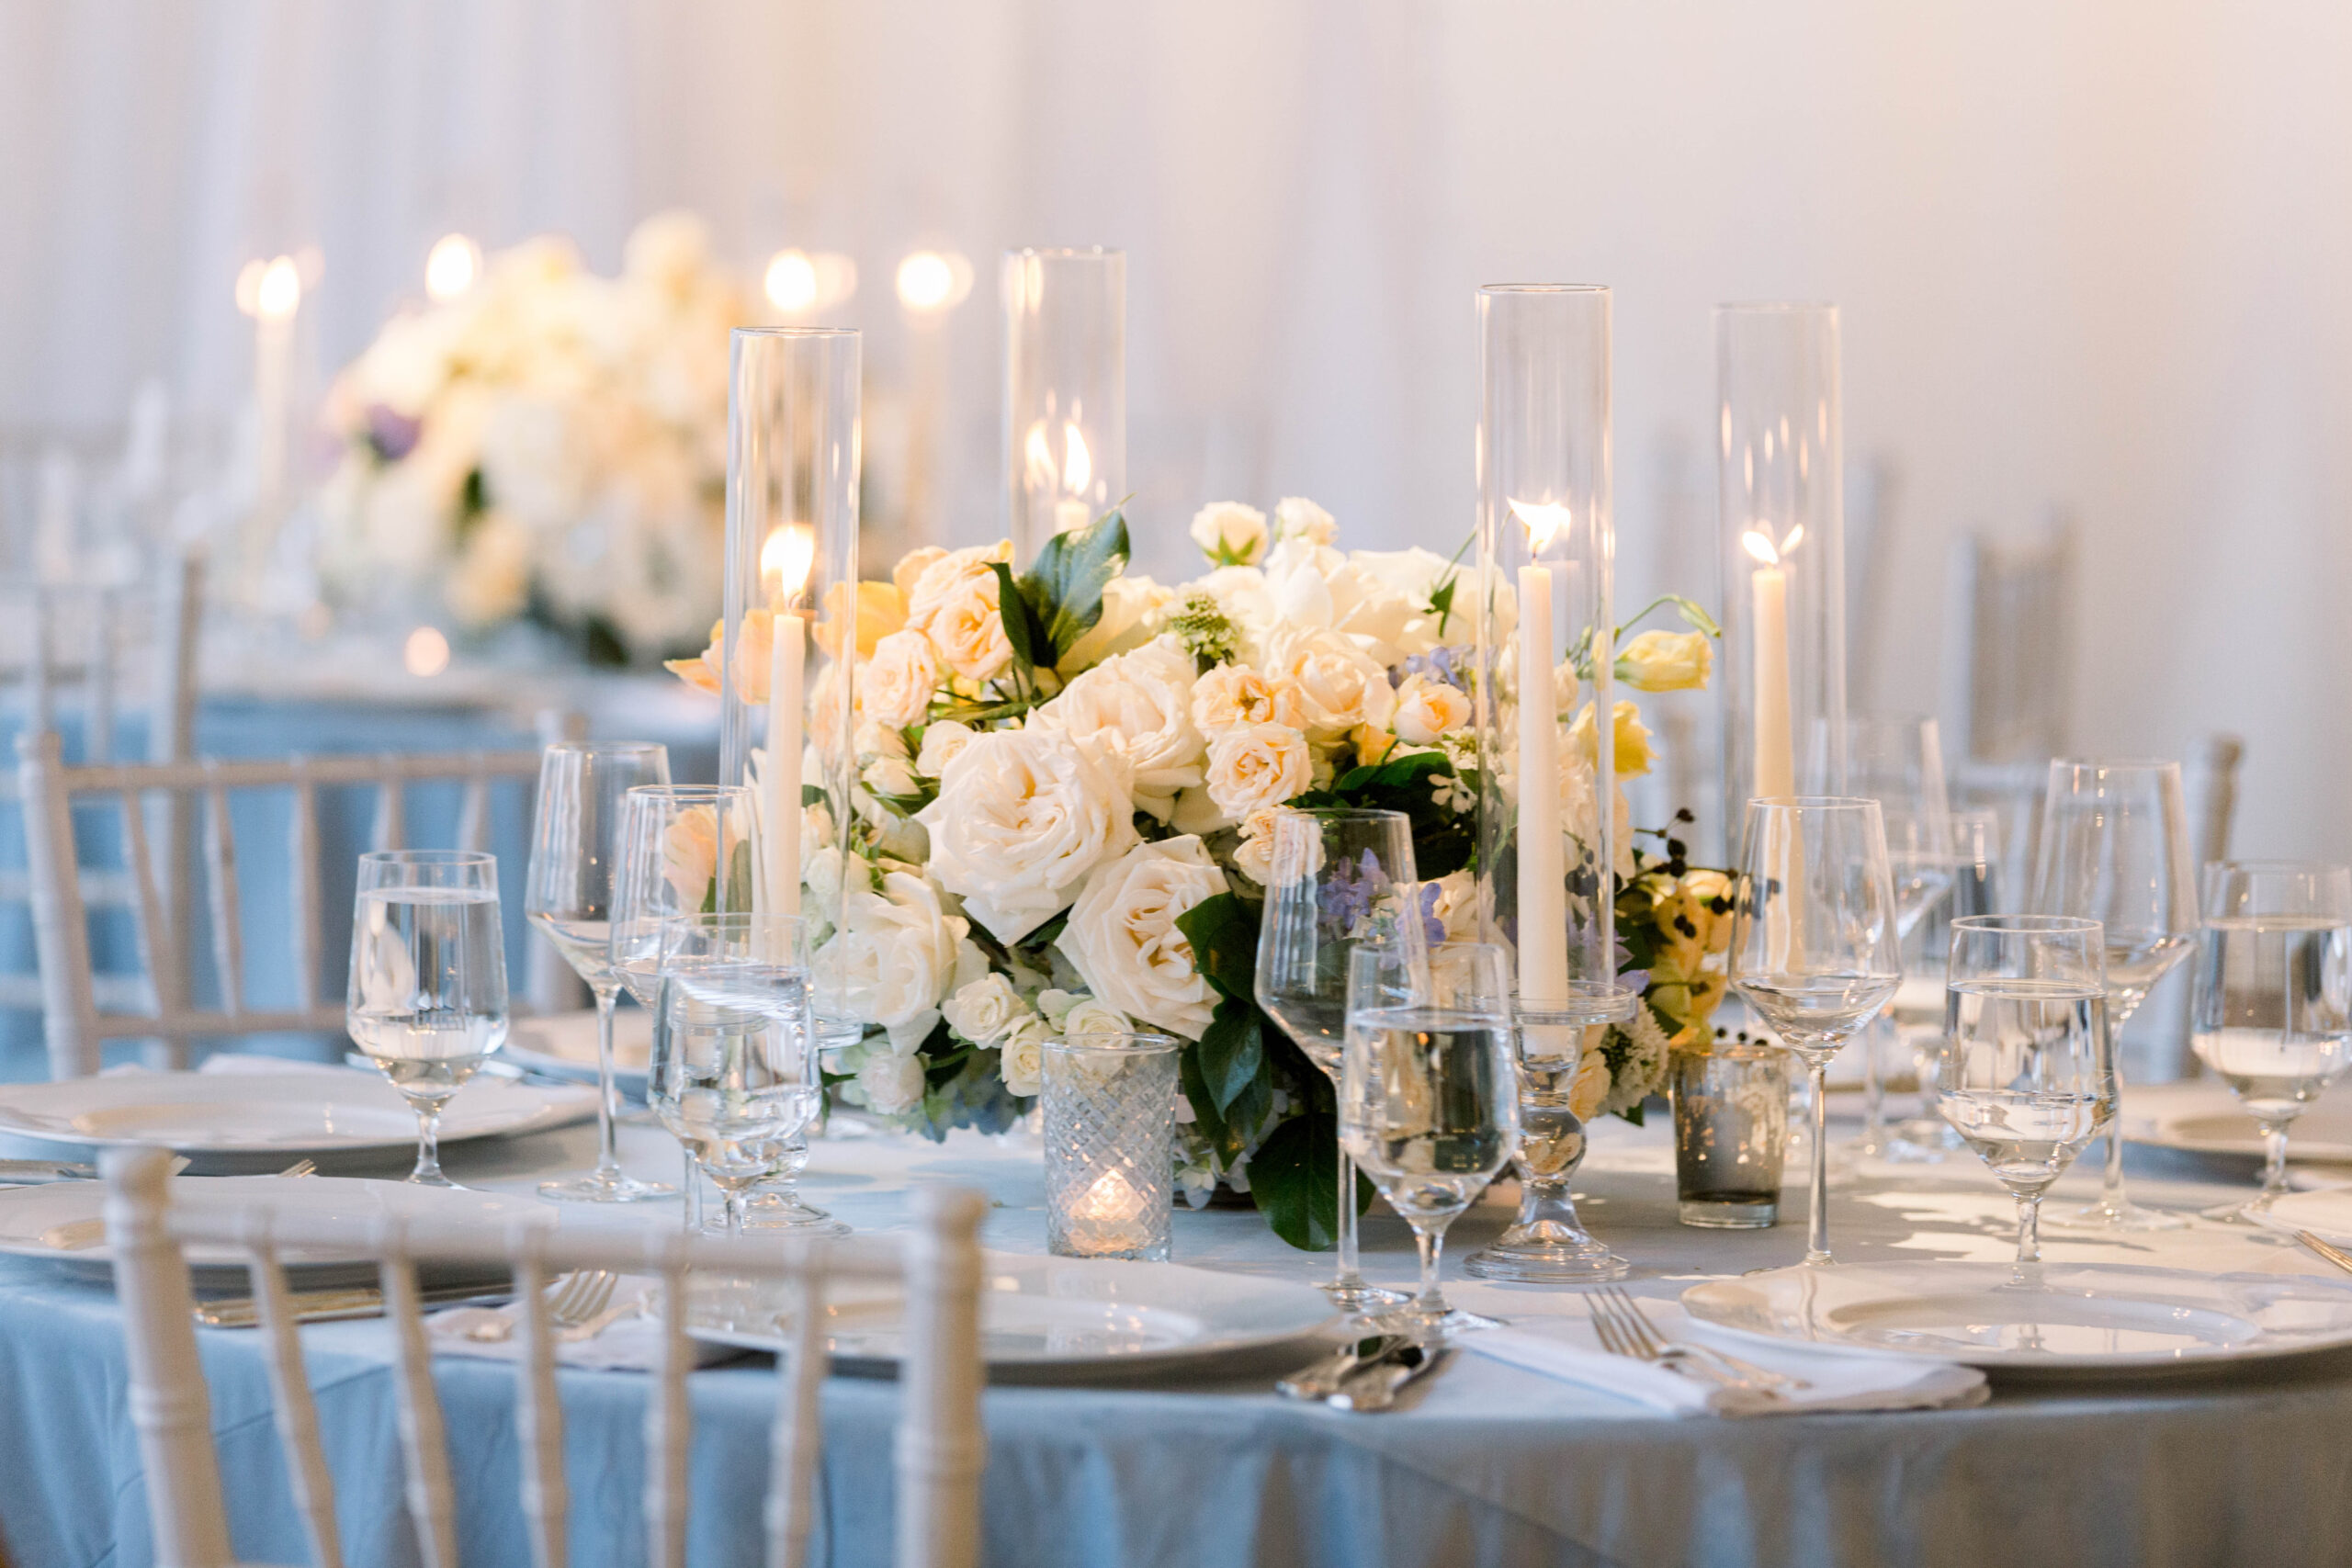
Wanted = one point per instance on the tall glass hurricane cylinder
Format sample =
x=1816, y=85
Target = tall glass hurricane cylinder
x=791, y=627
x=1065, y=391
x=1547, y=833
x=1782, y=517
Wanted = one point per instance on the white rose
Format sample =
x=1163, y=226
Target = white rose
x=910, y=568
x=941, y=742
x=954, y=605
x=1023, y=1065
x=1123, y=939
x=1456, y=905
x=1334, y=684
x=1252, y=766
x=1315, y=586
x=1023, y=816
x=896, y=956
x=890, y=776
x=890, y=1084
x=899, y=680
x=1427, y=710
x=1230, y=534
x=1130, y=606
x=1255, y=856
x=1296, y=517
x=986, y=1011
x=1138, y=705
x=1231, y=695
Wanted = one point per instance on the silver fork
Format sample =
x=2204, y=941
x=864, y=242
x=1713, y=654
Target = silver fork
x=573, y=1300
x=301, y=1167
x=1625, y=1330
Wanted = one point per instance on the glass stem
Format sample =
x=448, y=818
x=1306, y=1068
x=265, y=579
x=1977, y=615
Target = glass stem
x=2029, y=1227
x=2120, y=1006
x=428, y=1146
x=735, y=1209
x=2274, y=1163
x=608, y=1088
x=1874, y=1088
x=1432, y=1243
x=1348, y=1274
x=690, y=1189
x=1816, y=1249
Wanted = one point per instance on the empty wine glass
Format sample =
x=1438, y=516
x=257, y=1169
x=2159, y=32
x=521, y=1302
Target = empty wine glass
x=1428, y=1096
x=1814, y=949
x=2271, y=1014
x=1337, y=880
x=2115, y=849
x=427, y=997
x=575, y=843
x=2027, y=1071
x=1898, y=761
x=733, y=1074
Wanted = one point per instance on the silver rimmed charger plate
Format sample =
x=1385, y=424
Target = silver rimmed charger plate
x=1045, y=1315
x=2074, y=1319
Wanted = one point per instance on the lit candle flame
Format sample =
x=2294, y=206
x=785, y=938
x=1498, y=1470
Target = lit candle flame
x=934, y=280
x=1039, y=458
x=1543, y=519
x=1077, y=464
x=1758, y=543
x=786, y=559
x=792, y=281
x=451, y=267
x=271, y=291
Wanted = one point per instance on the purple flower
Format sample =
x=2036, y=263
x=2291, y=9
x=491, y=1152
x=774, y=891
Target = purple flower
x=1432, y=927
x=1439, y=664
x=1346, y=897
x=393, y=434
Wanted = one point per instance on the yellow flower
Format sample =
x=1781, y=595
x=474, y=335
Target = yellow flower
x=881, y=610
x=702, y=672
x=1631, y=740
x=1666, y=662
x=1371, y=744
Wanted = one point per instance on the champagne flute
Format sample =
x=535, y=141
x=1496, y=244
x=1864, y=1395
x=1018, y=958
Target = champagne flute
x=1898, y=761
x=2115, y=849
x=569, y=896
x=1428, y=1096
x=2271, y=1014
x=1338, y=879
x=2027, y=1071
x=1814, y=949
x=427, y=997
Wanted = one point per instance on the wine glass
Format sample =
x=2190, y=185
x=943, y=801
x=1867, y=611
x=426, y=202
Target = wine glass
x=1813, y=945
x=1898, y=761
x=1977, y=888
x=2027, y=1071
x=427, y=997
x=1429, y=1095
x=575, y=841
x=733, y=1074
x=2271, y=1014
x=2115, y=849
x=1338, y=879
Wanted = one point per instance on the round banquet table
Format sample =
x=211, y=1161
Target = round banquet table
x=1484, y=1464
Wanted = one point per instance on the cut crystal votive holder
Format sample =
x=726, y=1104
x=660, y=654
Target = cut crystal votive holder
x=1109, y=1102
x=1731, y=1134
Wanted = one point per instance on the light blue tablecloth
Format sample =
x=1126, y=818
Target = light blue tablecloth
x=1492, y=1466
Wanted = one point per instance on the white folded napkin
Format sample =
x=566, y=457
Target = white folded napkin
x=629, y=1342
x=1567, y=1347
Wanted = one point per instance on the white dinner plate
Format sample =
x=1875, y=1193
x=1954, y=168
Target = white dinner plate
x=219, y=1118
x=563, y=1045
x=2078, y=1319
x=1038, y=1313
x=2206, y=1119
x=59, y=1223
x=2326, y=1214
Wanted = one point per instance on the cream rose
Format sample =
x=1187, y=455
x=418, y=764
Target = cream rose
x=1023, y=816
x=1296, y=517
x=1455, y=908
x=899, y=680
x=1131, y=606
x=1122, y=940
x=1139, y=705
x=1231, y=695
x=1330, y=684
x=941, y=742
x=986, y=1011
x=1023, y=1062
x=1253, y=766
x=890, y=1084
x=1254, y=857
x=1230, y=534
x=910, y=568
x=954, y=605
x=1666, y=662
x=1315, y=586
x=897, y=953
x=1427, y=710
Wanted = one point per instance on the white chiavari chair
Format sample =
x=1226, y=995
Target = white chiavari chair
x=939, y=1450
x=74, y=1023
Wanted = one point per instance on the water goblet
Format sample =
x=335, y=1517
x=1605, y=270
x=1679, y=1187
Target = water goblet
x=1978, y=887
x=1429, y=1097
x=1898, y=761
x=1814, y=950
x=2027, y=1071
x=575, y=843
x=428, y=997
x=2271, y=1014
x=2115, y=849
x=1337, y=880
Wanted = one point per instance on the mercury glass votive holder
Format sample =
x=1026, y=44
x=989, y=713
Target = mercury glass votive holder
x=1731, y=1134
x=1109, y=1102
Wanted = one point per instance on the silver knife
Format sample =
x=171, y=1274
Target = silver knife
x=1375, y=1387
x=34, y=1172
x=1323, y=1378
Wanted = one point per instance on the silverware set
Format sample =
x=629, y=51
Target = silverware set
x=1624, y=1329
x=1367, y=1374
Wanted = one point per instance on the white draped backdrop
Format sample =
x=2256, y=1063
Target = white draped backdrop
x=2091, y=256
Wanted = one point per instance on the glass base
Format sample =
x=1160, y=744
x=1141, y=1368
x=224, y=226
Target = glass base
x=774, y=1209
x=594, y=1188
x=1355, y=1296
x=1729, y=1213
x=2246, y=1213
x=2116, y=1219
x=435, y=1180
x=1547, y=1252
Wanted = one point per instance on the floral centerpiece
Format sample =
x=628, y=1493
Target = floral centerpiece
x=550, y=444
x=1066, y=782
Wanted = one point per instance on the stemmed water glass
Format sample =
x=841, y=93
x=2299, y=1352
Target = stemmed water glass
x=2115, y=849
x=1978, y=887
x=575, y=844
x=2027, y=1071
x=733, y=1074
x=427, y=995
x=1338, y=880
x=2271, y=1014
x=1428, y=1096
x=1814, y=949
x=1898, y=761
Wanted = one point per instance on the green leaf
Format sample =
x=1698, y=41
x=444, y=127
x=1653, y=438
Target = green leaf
x=1224, y=934
x=812, y=794
x=1212, y=1126
x=1441, y=601
x=1064, y=586
x=1295, y=1177
x=1232, y=1059
x=1021, y=629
